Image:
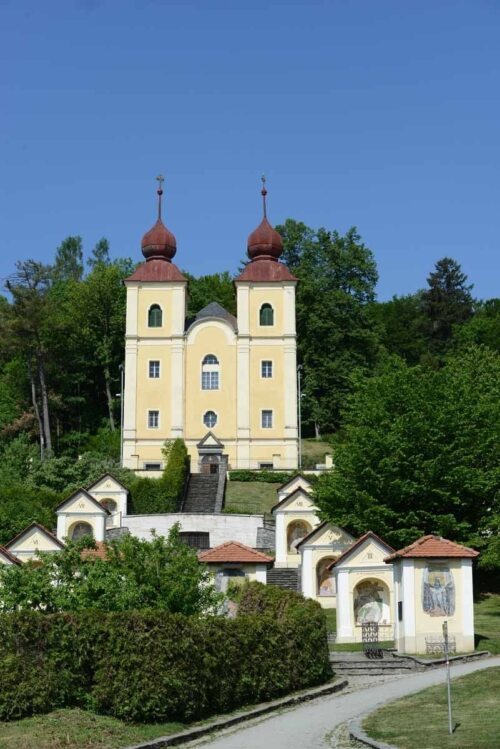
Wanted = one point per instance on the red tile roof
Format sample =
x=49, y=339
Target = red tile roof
x=357, y=544
x=434, y=547
x=265, y=269
x=156, y=269
x=233, y=551
x=6, y=553
x=100, y=552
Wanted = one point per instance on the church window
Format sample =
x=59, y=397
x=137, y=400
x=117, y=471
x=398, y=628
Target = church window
x=266, y=369
x=267, y=419
x=210, y=373
x=154, y=369
x=79, y=530
x=210, y=419
x=152, y=466
x=155, y=316
x=153, y=419
x=266, y=315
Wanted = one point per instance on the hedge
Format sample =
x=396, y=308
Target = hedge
x=149, y=666
x=271, y=477
x=150, y=496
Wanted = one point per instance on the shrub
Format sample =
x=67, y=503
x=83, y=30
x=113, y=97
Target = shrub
x=150, y=496
x=154, y=666
x=271, y=477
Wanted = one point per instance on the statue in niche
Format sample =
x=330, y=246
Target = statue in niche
x=438, y=591
x=368, y=602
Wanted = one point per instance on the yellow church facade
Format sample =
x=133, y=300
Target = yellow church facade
x=226, y=385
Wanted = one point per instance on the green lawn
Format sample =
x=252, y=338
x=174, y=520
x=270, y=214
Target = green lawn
x=421, y=721
x=487, y=623
x=252, y=497
x=314, y=451
x=78, y=729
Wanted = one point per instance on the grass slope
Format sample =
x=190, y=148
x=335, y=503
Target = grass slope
x=252, y=497
x=487, y=623
x=421, y=721
x=78, y=729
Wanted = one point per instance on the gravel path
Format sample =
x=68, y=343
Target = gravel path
x=309, y=726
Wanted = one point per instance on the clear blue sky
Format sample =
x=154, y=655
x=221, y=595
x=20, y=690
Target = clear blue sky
x=382, y=114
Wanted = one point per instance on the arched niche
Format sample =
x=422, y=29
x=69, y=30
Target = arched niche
x=371, y=601
x=295, y=532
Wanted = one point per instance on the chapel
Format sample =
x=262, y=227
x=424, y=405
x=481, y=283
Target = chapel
x=226, y=385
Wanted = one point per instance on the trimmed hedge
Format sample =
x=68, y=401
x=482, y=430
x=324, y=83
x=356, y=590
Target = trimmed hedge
x=150, y=496
x=271, y=477
x=150, y=666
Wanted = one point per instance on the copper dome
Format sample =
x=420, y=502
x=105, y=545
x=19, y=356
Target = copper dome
x=159, y=242
x=264, y=241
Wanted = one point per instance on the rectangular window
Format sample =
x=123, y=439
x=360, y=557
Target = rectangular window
x=195, y=539
x=152, y=466
x=267, y=419
x=154, y=369
x=153, y=419
x=266, y=466
x=266, y=368
x=209, y=380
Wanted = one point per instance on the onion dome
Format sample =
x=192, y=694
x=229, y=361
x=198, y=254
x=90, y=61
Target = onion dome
x=264, y=241
x=159, y=242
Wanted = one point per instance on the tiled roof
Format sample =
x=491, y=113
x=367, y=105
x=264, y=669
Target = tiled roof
x=156, y=270
x=233, y=551
x=100, y=552
x=434, y=547
x=265, y=270
x=7, y=554
x=357, y=544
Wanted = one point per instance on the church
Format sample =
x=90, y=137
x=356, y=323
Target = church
x=226, y=385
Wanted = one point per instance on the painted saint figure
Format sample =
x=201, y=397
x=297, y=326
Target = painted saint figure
x=438, y=591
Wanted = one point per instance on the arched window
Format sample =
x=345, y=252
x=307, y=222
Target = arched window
x=296, y=531
x=266, y=315
x=79, y=530
x=325, y=579
x=155, y=316
x=210, y=419
x=109, y=504
x=210, y=369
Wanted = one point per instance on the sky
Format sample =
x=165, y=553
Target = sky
x=383, y=114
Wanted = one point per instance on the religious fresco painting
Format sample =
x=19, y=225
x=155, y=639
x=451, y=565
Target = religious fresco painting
x=325, y=578
x=296, y=532
x=438, y=591
x=368, y=602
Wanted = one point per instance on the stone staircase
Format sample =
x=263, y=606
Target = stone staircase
x=201, y=495
x=357, y=664
x=284, y=577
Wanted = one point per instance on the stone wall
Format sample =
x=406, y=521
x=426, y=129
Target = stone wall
x=222, y=527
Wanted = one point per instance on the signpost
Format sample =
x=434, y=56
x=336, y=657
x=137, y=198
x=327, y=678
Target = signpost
x=448, y=677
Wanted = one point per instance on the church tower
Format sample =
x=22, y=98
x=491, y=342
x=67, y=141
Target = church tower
x=226, y=385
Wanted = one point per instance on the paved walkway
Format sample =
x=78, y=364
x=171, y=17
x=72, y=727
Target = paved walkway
x=306, y=726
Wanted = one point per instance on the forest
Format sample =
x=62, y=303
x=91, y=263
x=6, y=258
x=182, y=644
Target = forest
x=406, y=390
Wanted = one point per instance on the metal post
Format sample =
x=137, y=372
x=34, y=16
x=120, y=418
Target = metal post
x=122, y=409
x=448, y=676
x=299, y=410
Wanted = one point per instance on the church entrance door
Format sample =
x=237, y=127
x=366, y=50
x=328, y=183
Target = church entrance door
x=210, y=464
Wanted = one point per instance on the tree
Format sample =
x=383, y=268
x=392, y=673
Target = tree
x=420, y=452
x=217, y=287
x=163, y=573
x=100, y=254
x=447, y=302
x=30, y=288
x=68, y=263
x=336, y=335
x=401, y=326
x=483, y=328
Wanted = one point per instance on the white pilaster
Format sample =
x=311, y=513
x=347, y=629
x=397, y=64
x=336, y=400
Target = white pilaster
x=307, y=573
x=467, y=599
x=261, y=573
x=61, y=527
x=281, y=544
x=243, y=403
x=408, y=597
x=177, y=388
x=344, y=614
x=243, y=307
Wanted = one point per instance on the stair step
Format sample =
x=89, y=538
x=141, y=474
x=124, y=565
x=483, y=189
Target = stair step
x=287, y=578
x=201, y=494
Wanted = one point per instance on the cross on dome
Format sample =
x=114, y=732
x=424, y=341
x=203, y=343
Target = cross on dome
x=159, y=243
